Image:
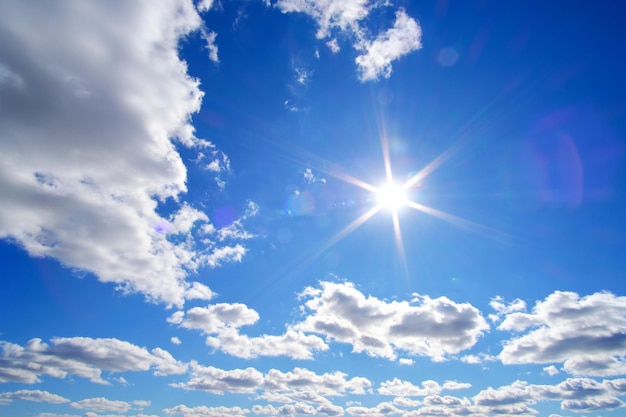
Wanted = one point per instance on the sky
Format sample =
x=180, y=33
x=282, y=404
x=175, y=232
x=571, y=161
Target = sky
x=312, y=208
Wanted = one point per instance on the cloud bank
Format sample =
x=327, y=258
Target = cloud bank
x=89, y=115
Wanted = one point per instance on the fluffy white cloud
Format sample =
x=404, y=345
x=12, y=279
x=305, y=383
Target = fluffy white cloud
x=224, y=320
x=210, y=37
x=424, y=326
x=81, y=356
x=328, y=14
x=204, y=411
x=400, y=388
x=404, y=37
x=349, y=17
x=218, y=381
x=89, y=104
x=302, y=380
x=293, y=344
x=501, y=307
x=32, y=395
x=216, y=317
x=101, y=404
x=586, y=334
x=382, y=409
x=575, y=394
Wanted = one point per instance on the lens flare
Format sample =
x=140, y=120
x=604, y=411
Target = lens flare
x=391, y=196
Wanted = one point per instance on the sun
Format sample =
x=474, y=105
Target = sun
x=391, y=196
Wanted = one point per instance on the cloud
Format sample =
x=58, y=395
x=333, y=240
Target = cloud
x=32, y=395
x=349, y=18
x=204, y=411
x=175, y=340
x=551, y=370
x=400, y=388
x=575, y=394
x=300, y=386
x=81, y=356
x=218, y=381
x=210, y=37
x=380, y=410
x=216, y=317
x=292, y=343
x=101, y=404
x=310, y=178
x=328, y=15
x=222, y=322
x=204, y=5
x=403, y=38
x=89, y=115
x=478, y=359
x=586, y=334
x=425, y=327
x=333, y=45
x=501, y=308
x=303, y=380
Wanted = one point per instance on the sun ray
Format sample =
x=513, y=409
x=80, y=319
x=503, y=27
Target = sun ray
x=399, y=242
x=432, y=166
x=355, y=224
x=457, y=221
x=353, y=180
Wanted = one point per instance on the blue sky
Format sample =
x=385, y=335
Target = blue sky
x=309, y=207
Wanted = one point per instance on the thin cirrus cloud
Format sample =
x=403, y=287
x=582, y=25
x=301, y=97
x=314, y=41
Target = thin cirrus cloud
x=73, y=101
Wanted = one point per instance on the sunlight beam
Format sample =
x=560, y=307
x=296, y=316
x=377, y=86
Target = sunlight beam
x=432, y=166
x=459, y=222
x=355, y=224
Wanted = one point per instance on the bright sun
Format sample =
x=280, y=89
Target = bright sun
x=391, y=196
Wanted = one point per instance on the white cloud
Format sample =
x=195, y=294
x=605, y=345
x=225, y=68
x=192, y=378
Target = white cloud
x=302, y=76
x=224, y=320
x=382, y=409
x=310, y=178
x=218, y=381
x=198, y=291
x=400, y=388
x=101, y=404
x=406, y=361
x=349, y=17
x=204, y=5
x=551, y=370
x=293, y=344
x=342, y=15
x=586, y=334
x=225, y=254
x=478, y=359
x=204, y=411
x=210, y=37
x=81, y=356
x=87, y=115
x=403, y=38
x=328, y=384
x=175, y=340
x=427, y=327
x=501, y=307
x=32, y=395
x=575, y=394
x=216, y=317
x=333, y=45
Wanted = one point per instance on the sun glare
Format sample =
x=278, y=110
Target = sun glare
x=391, y=196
